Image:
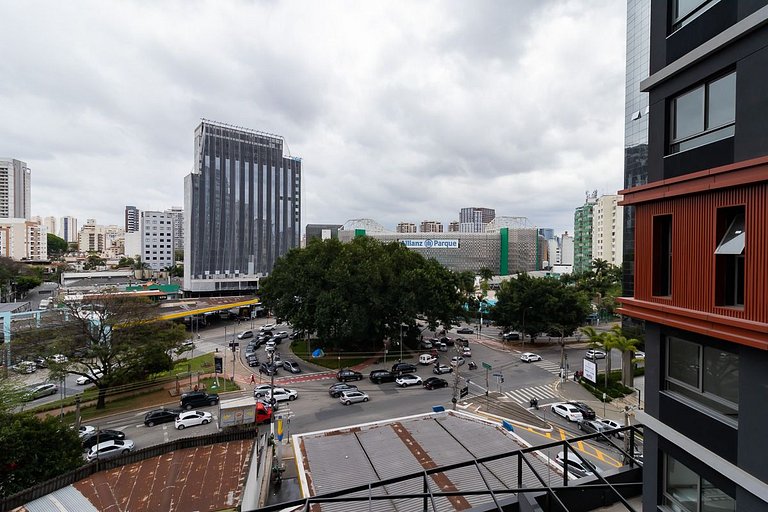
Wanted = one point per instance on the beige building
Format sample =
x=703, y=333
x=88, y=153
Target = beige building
x=22, y=239
x=608, y=229
x=406, y=227
x=107, y=241
x=431, y=226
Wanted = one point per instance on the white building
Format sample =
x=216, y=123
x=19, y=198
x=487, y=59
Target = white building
x=156, y=240
x=68, y=229
x=15, y=189
x=22, y=239
x=50, y=224
x=608, y=229
x=566, y=249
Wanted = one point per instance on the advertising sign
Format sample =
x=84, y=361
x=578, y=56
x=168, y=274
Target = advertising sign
x=218, y=364
x=431, y=243
x=590, y=370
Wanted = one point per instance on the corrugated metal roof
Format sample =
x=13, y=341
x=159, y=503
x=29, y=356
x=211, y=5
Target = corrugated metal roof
x=66, y=499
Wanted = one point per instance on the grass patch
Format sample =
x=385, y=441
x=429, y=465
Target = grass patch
x=209, y=384
x=332, y=361
x=614, y=390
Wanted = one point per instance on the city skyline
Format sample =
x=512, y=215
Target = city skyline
x=442, y=105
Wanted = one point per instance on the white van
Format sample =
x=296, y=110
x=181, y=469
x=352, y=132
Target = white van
x=426, y=359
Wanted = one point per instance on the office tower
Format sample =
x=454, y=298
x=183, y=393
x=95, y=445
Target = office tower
x=582, y=234
x=242, y=205
x=132, y=218
x=607, y=229
x=700, y=273
x=431, y=226
x=177, y=217
x=474, y=219
x=68, y=229
x=406, y=227
x=15, y=189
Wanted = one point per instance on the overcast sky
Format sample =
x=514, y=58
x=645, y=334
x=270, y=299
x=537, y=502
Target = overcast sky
x=400, y=110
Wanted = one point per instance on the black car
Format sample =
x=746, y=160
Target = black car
x=448, y=341
x=268, y=368
x=586, y=411
x=291, y=366
x=345, y=374
x=197, y=399
x=435, y=383
x=594, y=427
x=100, y=436
x=401, y=368
x=379, y=376
x=252, y=360
x=337, y=389
x=465, y=330
x=158, y=416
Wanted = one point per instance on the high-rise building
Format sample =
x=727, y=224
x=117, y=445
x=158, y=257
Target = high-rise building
x=582, y=234
x=15, y=189
x=406, y=227
x=22, y=239
x=50, y=224
x=700, y=272
x=91, y=238
x=156, y=239
x=68, y=229
x=177, y=217
x=474, y=219
x=242, y=205
x=132, y=219
x=607, y=229
x=431, y=226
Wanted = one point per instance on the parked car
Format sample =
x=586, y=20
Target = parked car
x=440, y=369
x=457, y=361
x=463, y=342
x=338, y=388
x=245, y=335
x=401, y=368
x=293, y=367
x=639, y=354
x=568, y=411
x=40, y=390
x=282, y=394
x=379, y=376
x=197, y=399
x=510, y=336
x=595, y=354
x=110, y=449
x=345, y=374
x=586, y=411
x=24, y=367
x=407, y=379
x=442, y=347
x=40, y=362
x=158, y=416
x=466, y=352
x=101, y=436
x=426, y=359
x=84, y=430
x=83, y=379
x=192, y=418
x=611, y=425
x=252, y=360
x=593, y=427
x=281, y=335
x=58, y=358
x=267, y=328
x=261, y=390
x=529, y=357
x=465, y=330
x=268, y=368
x=270, y=346
x=576, y=466
x=351, y=397
x=435, y=383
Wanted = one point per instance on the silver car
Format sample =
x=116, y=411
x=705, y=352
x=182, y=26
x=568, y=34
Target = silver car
x=110, y=449
x=351, y=397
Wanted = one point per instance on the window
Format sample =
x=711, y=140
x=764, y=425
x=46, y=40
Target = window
x=705, y=375
x=685, y=11
x=703, y=115
x=662, y=255
x=729, y=257
x=686, y=491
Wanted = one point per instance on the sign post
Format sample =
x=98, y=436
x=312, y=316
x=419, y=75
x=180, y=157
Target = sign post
x=487, y=369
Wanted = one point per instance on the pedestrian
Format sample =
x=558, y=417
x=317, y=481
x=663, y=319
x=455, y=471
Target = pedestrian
x=253, y=379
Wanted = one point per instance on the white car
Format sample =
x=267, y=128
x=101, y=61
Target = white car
x=282, y=394
x=352, y=396
x=261, y=390
x=85, y=430
x=567, y=411
x=529, y=357
x=270, y=346
x=595, y=354
x=613, y=424
x=58, y=358
x=457, y=361
x=192, y=418
x=267, y=327
x=408, y=380
x=110, y=449
x=83, y=380
x=427, y=359
x=24, y=367
x=639, y=354
x=466, y=352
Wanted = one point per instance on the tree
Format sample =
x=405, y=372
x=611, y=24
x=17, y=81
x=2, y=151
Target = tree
x=94, y=261
x=112, y=339
x=627, y=347
x=355, y=295
x=35, y=450
x=126, y=262
x=17, y=278
x=57, y=247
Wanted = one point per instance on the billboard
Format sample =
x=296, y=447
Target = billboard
x=590, y=370
x=218, y=364
x=431, y=243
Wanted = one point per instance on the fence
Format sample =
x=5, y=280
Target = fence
x=56, y=483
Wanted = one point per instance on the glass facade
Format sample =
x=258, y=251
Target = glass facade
x=243, y=204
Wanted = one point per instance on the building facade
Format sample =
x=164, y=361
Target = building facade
x=700, y=257
x=15, y=189
x=453, y=226
x=242, y=205
x=22, y=239
x=132, y=219
x=607, y=229
x=68, y=229
x=156, y=235
x=177, y=216
x=474, y=219
x=406, y=227
x=431, y=226
x=582, y=234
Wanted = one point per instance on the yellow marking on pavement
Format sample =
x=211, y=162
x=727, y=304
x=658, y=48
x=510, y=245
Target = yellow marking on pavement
x=563, y=437
x=586, y=449
x=580, y=445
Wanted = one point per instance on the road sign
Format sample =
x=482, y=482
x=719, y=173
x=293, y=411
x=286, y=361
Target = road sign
x=487, y=366
x=464, y=392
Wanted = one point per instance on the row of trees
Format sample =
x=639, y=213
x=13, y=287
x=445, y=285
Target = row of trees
x=615, y=339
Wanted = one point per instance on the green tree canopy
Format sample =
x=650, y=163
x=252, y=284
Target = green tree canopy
x=354, y=295
x=56, y=246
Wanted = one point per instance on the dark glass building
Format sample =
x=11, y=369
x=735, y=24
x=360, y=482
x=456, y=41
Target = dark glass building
x=243, y=208
x=701, y=257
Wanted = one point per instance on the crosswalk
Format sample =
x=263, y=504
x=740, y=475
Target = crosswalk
x=551, y=367
x=523, y=395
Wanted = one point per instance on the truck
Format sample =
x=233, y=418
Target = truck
x=243, y=411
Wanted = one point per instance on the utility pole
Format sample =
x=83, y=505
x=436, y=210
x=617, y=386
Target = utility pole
x=455, y=398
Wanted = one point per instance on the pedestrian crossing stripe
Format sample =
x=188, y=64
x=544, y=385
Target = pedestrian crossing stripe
x=524, y=395
x=549, y=366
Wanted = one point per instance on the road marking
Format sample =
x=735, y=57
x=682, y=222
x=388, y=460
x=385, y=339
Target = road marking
x=524, y=395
